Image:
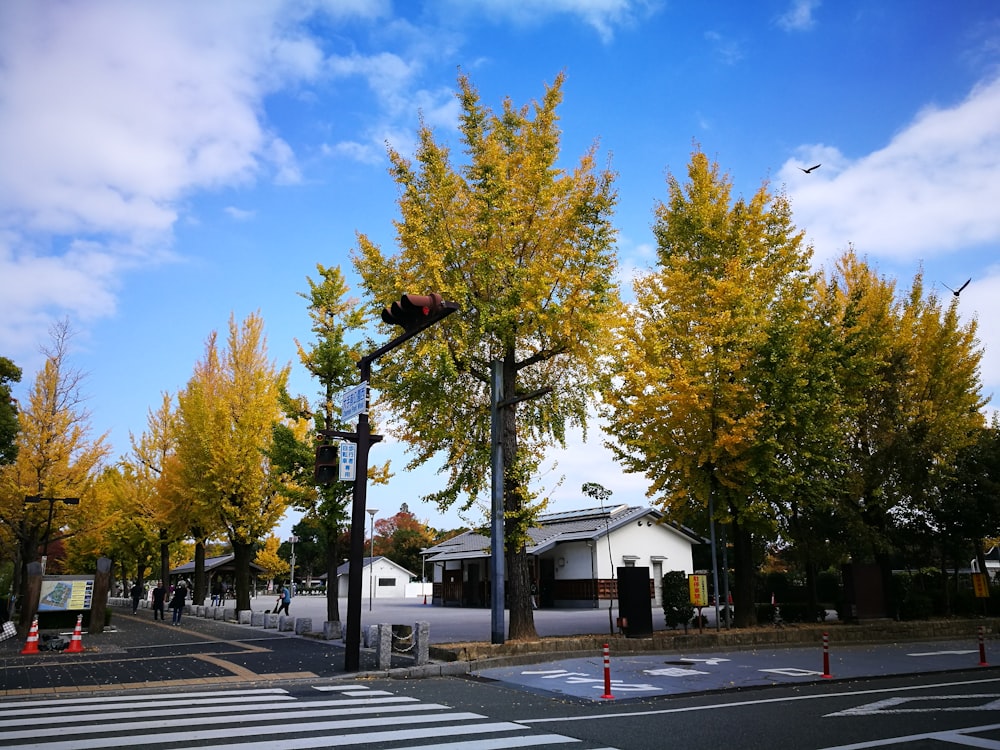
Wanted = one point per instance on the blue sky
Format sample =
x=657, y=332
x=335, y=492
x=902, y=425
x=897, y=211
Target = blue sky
x=166, y=165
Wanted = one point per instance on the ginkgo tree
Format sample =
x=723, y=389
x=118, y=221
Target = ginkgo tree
x=225, y=419
x=525, y=247
x=331, y=359
x=56, y=457
x=685, y=398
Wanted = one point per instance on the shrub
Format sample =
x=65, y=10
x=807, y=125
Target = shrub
x=677, y=609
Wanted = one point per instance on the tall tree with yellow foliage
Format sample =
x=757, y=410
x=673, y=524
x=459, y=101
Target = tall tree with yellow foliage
x=685, y=400
x=56, y=457
x=225, y=419
x=525, y=247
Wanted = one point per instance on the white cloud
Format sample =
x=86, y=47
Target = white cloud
x=799, y=17
x=239, y=214
x=727, y=50
x=112, y=114
x=604, y=16
x=934, y=188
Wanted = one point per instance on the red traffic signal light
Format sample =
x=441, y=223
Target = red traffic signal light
x=326, y=464
x=413, y=310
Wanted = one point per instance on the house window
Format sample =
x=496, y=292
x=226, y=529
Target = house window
x=629, y=560
x=391, y=582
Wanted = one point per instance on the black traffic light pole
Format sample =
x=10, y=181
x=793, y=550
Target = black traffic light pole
x=352, y=641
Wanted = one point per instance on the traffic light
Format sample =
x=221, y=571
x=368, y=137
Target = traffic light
x=326, y=464
x=415, y=310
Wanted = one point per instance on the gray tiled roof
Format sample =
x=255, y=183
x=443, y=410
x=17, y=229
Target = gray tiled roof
x=552, y=529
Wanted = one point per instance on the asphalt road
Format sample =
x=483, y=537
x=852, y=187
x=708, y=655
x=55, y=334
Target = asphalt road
x=916, y=712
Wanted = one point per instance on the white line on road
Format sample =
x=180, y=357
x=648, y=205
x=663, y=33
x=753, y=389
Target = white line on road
x=739, y=704
x=953, y=737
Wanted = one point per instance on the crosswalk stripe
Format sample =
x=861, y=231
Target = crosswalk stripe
x=282, y=712
x=202, y=735
x=129, y=701
x=497, y=743
x=341, y=740
x=264, y=719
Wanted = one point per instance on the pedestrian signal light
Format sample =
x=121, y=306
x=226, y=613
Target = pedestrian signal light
x=326, y=464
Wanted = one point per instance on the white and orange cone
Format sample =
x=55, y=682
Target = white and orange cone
x=31, y=645
x=76, y=642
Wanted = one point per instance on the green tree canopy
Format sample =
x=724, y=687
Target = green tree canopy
x=686, y=402
x=525, y=248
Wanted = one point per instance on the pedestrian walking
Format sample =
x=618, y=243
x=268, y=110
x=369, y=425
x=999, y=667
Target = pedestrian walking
x=217, y=593
x=159, y=598
x=177, y=604
x=136, y=593
x=284, y=600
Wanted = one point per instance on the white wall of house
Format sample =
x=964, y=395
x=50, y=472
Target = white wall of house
x=643, y=546
x=389, y=580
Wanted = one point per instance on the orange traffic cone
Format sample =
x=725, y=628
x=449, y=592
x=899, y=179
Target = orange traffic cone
x=76, y=642
x=31, y=645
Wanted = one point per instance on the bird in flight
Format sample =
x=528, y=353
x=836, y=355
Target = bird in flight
x=958, y=291
x=807, y=171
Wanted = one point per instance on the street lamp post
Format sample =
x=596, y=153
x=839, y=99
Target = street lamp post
x=291, y=583
x=48, y=525
x=371, y=562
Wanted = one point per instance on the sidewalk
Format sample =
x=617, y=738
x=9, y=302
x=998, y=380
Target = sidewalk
x=139, y=653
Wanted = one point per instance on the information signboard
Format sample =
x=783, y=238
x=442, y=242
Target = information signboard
x=698, y=589
x=980, y=586
x=60, y=593
x=348, y=461
x=354, y=402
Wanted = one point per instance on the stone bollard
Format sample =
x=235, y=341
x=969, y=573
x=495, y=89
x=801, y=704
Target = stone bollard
x=229, y=614
x=370, y=636
x=244, y=616
x=421, y=643
x=332, y=630
x=303, y=625
x=257, y=619
x=286, y=623
x=270, y=620
x=384, y=654
x=199, y=610
x=218, y=613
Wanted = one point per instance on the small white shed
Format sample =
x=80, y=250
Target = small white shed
x=381, y=578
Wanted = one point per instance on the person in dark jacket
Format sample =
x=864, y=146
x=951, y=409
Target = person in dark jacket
x=177, y=603
x=159, y=598
x=136, y=593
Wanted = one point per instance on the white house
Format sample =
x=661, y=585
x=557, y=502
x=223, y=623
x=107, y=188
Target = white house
x=576, y=555
x=381, y=578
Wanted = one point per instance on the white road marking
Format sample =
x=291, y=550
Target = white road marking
x=952, y=737
x=894, y=705
x=673, y=672
x=944, y=653
x=742, y=704
x=792, y=672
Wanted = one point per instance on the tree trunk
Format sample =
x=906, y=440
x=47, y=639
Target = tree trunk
x=242, y=557
x=164, y=558
x=198, y=595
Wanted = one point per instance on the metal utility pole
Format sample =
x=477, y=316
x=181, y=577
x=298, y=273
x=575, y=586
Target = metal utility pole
x=414, y=313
